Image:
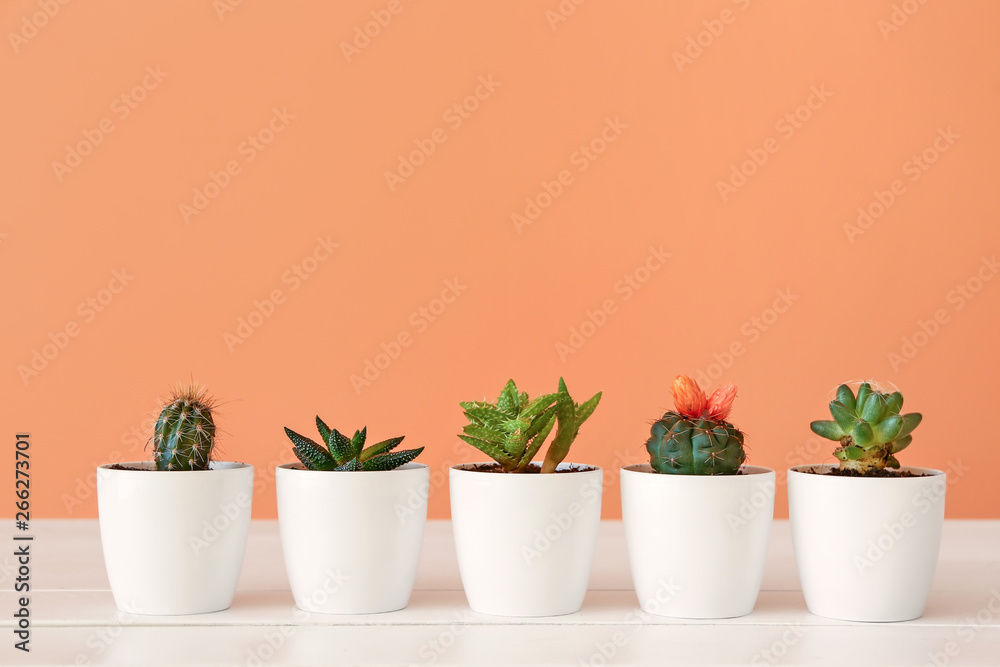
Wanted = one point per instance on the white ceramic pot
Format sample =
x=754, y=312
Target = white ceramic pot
x=174, y=540
x=352, y=540
x=866, y=548
x=697, y=544
x=525, y=542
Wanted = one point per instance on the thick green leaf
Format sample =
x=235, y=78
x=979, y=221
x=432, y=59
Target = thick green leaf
x=354, y=465
x=484, y=433
x=863, y=392
x=340, y=446
x=846, y=396
x=380, y=448
x=873, y=408
x=324, y=430
x=851, y=453
x=392, y=460
x=486, y=416
x=587, y=408
x=825, y=428
x=537, y=406
x=509, y=401
x=899, y=444
x=910, y=422
x=892, y=462
x=492, y=451
x=311, y=454
x=300, y=440
x=862, y=434
x=845, y=418
x=894, y=404
x=358, y=441
x=888, y=428
x=536, y=443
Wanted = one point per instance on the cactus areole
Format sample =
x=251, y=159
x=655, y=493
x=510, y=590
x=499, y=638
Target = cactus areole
x=695, y=438
x=185, y=432
x=869, y=429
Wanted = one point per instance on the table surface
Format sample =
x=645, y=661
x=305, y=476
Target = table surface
x=75, y=621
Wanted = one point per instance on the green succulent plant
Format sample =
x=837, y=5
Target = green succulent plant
x=184, y=435
x=514, y=428
x=869, y=428
x=348, y=454
x=695, y=438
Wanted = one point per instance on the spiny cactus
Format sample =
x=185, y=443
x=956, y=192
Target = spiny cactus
x=696, y=439
x=868, y=427
x=512, y=430
x=184, y=434
x=346, y=454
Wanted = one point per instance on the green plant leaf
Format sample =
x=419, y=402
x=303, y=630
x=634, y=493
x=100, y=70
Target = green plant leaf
x=340, y=446
x=310, y=453
x=392, y=460
x=827, y=429
x=894, y=403
x=887, y=429
x=358, y=441
x=863, y=392
x=509, y=400
x=380, y=448
x=846, y=396
x=492, y=451
x=873, y=408
x=324, y=430
x=537, y=406
x=354, y=465
x=584, y=411
x=845, y=418
x=910, y=422
x=899, y=444
x=484, y=433
x=536, y=443
x=486, y=416
x=862, y=434
x=851, y=453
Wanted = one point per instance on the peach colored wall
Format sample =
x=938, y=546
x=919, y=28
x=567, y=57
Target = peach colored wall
x=697, y=167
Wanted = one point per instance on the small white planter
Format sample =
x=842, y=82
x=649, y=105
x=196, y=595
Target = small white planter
x=697, y=544
x=352, y=540
x=525, y=542
x=174, y=540
x=866, y=548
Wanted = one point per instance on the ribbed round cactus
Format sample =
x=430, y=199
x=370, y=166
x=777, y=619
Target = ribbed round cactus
x=695, y=438
x=185, y=433
x=868, y=427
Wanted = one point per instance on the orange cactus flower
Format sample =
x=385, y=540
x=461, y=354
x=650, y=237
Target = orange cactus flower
x=689, y=399
x=721, y=402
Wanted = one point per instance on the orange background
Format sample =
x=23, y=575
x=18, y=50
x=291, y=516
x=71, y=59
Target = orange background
x=686, y=92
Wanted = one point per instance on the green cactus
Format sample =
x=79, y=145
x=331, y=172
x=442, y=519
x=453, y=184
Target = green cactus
x=696, y=439
x=184, y=434
x=512, y=430
x=868, y=427
x=345, y=454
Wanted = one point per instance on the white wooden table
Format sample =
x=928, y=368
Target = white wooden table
x=75, y=622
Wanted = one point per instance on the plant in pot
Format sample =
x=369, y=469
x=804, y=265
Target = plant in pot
x=866, y=531
x=359, y=553
x=525, y=531
x=697, y=519
x=174, y=529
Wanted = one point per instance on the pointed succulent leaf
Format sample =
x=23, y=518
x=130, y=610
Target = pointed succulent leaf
x=825, y=428
x=354, y=465
x=587, y=408
x=910, y=422
x=536, y=443
x=483, y=433
x=899, y=444
x=862, y=434
x=863, y=392
x=887, y=429
x=486, y=416
x=311, y=454
x=358, y=441
x=540, y=422
x=873, y=408
x=508, y=401
x=892, y=462
x=380, y=448
x=392, y=460
x=894, y=403
x=845, y=418
x=324, y=430
x=537, y=406
x=301, y=440
x=491, y=450
x=846, y=396
x=340, y=446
